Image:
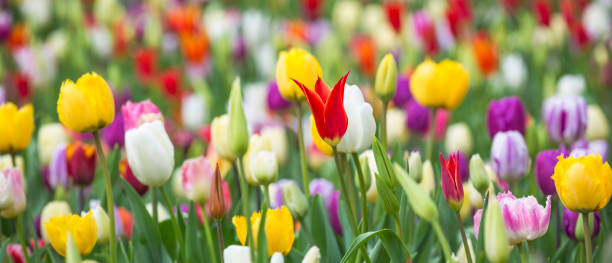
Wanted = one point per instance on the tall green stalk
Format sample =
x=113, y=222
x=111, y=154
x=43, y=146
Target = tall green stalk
x=303, y=163
x=173, y=219
x=442, y=240
x=245, y=205
x=383, y=124
x=364, y=204
x=466, y=245
x=352, y=217
x=207, y=232
x=22, y=238
x=109, y=196
x=587, y=238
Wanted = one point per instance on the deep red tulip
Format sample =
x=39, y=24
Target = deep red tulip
x=395, y=13
x=126, y=173
x=451, y=181
x=81, y=161
x=543, y=11
x=217, y=203
x=312, y=8
x=145, y=63
x=328, y=109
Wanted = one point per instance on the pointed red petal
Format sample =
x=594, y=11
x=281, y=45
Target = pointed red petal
x=322, y=89
x=456, y=177
x=446, y=181
x=316, y=107
x=336, y=120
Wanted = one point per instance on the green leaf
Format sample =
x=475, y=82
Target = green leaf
x=169, y=239
x=383, y=164
x=192, y=241
x=3, y=251
x=123, y=255
x=479, y=253
x=391, y=242
x=319, y=220
x=262, y=243
x=560, y=251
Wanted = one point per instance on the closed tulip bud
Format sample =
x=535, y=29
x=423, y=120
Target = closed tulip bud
x=87, y=105
x=237, y=254
x=496, y=239
x=81, y=160
x=217, y=202
x=415, y=166
x=478, y=174
x=197, y=176
x=572, y=85
x=361, y=124
x=257, y=143
x=295, y=200
x=565, y=117
x=458, y=138
x=263, y=167
x=597, y=124
x=398, y=132
x=126, y=172
x=313, y=255
x=102, y=223
x=7, y=197
x=16, y=127
x=238, y=134
x=299, y=65
x=572, y=224
x=506, y=114
x=220, y=137
x=52, y=209
x=372, y=192
x=49, y=137
x=441, y=84
x=193, y=111
x=422, y=205
x=278, y=142
x=450, y=182
x=428, y=183
x=150, y=153
x=83, y=230
x=509, y=155
x=386, y=78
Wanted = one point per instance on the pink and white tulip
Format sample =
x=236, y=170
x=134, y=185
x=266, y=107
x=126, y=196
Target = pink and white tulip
x=135, y=114
x=197, y=177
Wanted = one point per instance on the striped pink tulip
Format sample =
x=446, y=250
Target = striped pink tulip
x=525, y=219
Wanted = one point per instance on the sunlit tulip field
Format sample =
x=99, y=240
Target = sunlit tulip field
x=351, y=131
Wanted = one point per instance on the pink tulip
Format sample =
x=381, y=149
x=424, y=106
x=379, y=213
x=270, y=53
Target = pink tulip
x=138, y=113
x=12, y=194
x=197, y=176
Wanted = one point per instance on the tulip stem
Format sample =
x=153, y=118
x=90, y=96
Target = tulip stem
x=383, y=123
x=209, y=239
x=466, y=245
x=109, y=196
x=245, y=205
x=352, y=217
x=237, y=180
x=302, y=148
x=364, y=204
x=398, y=225
x=442, y=240
x=220, y=238
x=173, y=219
x=522, y=253
x=350, y=182
x=22, y=238
x=154, y=203
x=587, y=238
x=431, y=135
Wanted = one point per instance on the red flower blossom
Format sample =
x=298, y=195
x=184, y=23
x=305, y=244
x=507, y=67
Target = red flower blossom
x=395, y=13
x=126, y=173
x=451, y=181
x=543, y=12
x=312, y=8
x=81, y=161
x=145, y=62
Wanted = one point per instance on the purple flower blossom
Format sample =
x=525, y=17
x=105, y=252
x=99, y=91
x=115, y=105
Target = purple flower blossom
x=330, y=196
x=506, y=114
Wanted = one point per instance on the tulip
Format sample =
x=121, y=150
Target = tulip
x=597, y=127
x=485, y=53
x=136, y=114
x=237, y=254
x=313, y=255
x=257, y=143
x=439, y=85
x=583, y=147
x=394, y=11
x=367, y=157
x=514, y=70
x=295, y=200
x=478, y=174
x=319, y=143
x=496, y=239
x=458, y=138
x=57, y=174
x=278, y=141
x=544, y=169
x=565, y=117
x=572, y=224
x=415, y=166
x=220, y=138
x=217, y=196
x=83, y=230
x=276, y=192
x=16, y=127
x=402, y=93
x=346, y=15
x=524, y=218
x=274, y=98
x=87, y=105
x=327, y=108
x=52, y=209
x=422, y=205
x=330, y=197
x=197, y=174
x=296, y=64
x=398, y=132
x=386, y=78
x=277, y=258
x=451, y=181
x=582, y=183
x=417, y=117
x=126, y=172
x=238, y=135
x=428, y=183
x=506, y=114
x=81, y=160
x=150, y=153
x=361, y=124
x=278, y=228
x=263, y=167
x=102, y=223
x=510, y=159
x=572, y=85
x=12, y=198
x=49, y=137
x=193, y=111
x=16, y=253
x=114, y=134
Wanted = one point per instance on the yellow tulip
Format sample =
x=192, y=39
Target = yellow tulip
x=441, y=85
x=16, y=127
x=584, y=184
x=84, y=232
x=87, y=105
x=323, y=146
x=278, y=229
x=300, y=65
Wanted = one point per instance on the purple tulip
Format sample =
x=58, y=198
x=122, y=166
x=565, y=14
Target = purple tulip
x=276, y=102
x=506, y=114
x=570, y=219
x=37, y=226
x=276, y=192
x=417, y=116
x=240, y=49
x=114, y=134
x=583, y=147
x=544, y=169
x=464, y=166
x=565, y=117
x=330, y=196
x=402, y=93
x=6, y=22
x=57, y=173
x=509, y=156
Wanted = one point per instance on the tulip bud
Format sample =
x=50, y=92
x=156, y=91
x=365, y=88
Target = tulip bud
x=565, y=117
x=278, y=141
x=217, y=204
x=295, y=200
x=49, y=137
x=52, y=209
x=257, y=143
x=237, y=254
x=428, y=182
x=597, y=124
x=238, y=134
x=478, y=174
x=197, y=176
x=150, y=153
x=419, y=200
x=458, y=138
x=263, y=167
x=572, y=224
x=509, y=155
x=220, y=137
x=367, y=174
x=72, y=252
x=386, y=78
x=415, y=166
x=312, y=256
x=397, y=133
x=277, y=257
x=330, y=197
x=506, y=114
x=102, y=221
x=451, y=181
x=16, y=202
x=81, y=160
x=496, y=240
x=417, y=117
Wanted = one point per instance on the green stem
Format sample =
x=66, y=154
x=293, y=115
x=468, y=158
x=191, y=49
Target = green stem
x=522, y=253
x=442, y=240
x=302, y=148
x=398, y=225
x=364, y=204
x=466, y=245
x=431, y=135
x=109, y=196
x=154, y=204
x=352, y=217
x=383, y=124
x=350, y=182
x=245, y=205
x=209, y=239
x=173, y=218
x=220, y=238
x=587, y=238
x=22, y=238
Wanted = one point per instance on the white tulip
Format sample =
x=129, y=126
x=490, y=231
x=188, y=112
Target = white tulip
x=6, y=190
x=278, y=141
x=237, y=254
x=193, y=111
x=514, y=71
x=361, y=124
x=219, y=137
x=312, y=256
x=396, y=128
x=596, y=20
x=458, y=138
x=150, y=153
x=571, y=85
x=428, y=182
x=263, y=167
x=597, y=124
x=162, y=213
x=277, y=257
x=346, y=15
x=49, y=137
x=102, y=221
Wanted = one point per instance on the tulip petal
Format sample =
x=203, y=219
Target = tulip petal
x=336, y=120
x=316, y=106
x=322, y=89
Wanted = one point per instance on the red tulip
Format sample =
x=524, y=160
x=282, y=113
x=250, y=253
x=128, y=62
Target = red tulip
x=451, y=181
x=543, y=12
x=328, y=109
x=81, y=160
x=395, y=13
x=126, y=173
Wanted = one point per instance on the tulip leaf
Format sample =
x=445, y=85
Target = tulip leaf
x=262, y=243
x=383, y=163
x=479, y=249
x=560, y=251
x=123, y=255
x=3, y=251
x=168, y=237
x=192, y=242
x=391, y=242
x=319, y=221
x=148, y=246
